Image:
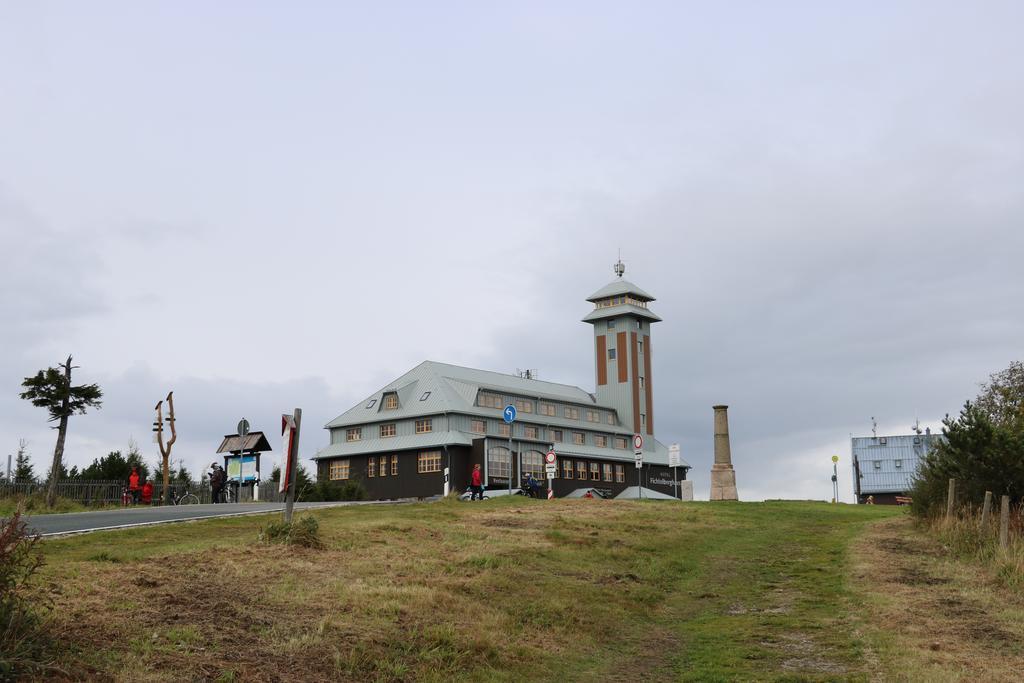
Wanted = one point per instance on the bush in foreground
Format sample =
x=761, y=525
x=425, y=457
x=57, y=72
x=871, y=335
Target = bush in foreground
x=302, y=531
x=21, y=642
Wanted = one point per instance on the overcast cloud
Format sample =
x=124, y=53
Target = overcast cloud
x=272, y=207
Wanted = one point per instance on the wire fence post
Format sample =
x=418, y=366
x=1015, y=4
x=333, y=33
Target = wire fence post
x=986, y=510
x=1004, y=523
x=950, y=499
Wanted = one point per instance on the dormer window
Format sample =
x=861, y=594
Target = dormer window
x=390, y=401
x=488, y=400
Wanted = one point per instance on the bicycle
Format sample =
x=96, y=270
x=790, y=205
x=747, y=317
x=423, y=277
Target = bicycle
x=186, y=498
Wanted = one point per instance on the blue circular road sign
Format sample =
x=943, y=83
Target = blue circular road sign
x=510, y=413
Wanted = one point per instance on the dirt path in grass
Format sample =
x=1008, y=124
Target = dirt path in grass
x=943, y=619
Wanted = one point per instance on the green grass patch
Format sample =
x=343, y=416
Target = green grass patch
x=498, y=590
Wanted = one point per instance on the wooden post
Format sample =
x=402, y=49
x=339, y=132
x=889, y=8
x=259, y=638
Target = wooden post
x=950, y=499
x=1004, y=523
x=986, y=510
x=293, y=459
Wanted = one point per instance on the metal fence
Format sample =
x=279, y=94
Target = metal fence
x=111, y=491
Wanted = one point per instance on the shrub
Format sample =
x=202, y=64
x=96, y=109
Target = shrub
x=21, y=642
x=981, y=453
x=329, y=491
x=302, y=531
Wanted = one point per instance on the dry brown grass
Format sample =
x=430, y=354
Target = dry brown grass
x=945, y=619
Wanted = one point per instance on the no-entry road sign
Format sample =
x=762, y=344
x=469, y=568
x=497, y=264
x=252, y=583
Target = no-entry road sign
x=550, y=458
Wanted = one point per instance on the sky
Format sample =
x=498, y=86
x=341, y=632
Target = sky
x=265, y=206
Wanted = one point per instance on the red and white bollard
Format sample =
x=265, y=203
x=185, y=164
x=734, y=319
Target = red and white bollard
x=551, y=493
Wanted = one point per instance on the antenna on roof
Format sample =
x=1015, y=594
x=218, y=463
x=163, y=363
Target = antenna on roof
x=529, y=373
x=874, y=427
x=916, y=427
x=620, y=267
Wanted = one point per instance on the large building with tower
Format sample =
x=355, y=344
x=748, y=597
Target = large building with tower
x=400, y=440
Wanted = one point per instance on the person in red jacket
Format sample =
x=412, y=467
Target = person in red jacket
x=133, y=485
x=147, y=493
x=476, y=483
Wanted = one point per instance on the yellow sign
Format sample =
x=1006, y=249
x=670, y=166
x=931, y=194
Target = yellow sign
x=835, y=458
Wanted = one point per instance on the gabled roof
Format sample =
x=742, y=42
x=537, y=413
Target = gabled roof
x=619, y=286
x=254, y=441
x=452, y=388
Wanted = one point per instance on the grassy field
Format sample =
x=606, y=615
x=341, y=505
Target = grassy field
x=507, y=589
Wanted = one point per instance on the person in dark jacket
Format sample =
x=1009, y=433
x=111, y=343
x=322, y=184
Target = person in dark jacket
x=532, y=485
x=217, y=479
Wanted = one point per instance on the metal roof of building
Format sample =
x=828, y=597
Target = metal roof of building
x=619, y=286
x=618, y=311
x=888, y=463
x=395, y=443
x=630, y=493
x=453, y=388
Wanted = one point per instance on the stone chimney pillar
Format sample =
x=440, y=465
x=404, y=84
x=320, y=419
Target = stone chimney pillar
x=723, y=477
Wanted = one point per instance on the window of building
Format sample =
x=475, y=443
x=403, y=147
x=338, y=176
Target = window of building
x=547, y=409
x=394, y=465
x=581, y=470
x=383, y=471
x=620, y=474
x=371, y=467
x=882, y=440
x=601, y=441
x=566, y=468
x=499, y=462
x=425, y=396
x=878, y=464
x=593, y=416
x=578, y=439
x=555, y=435
x=488, y=400
x=339, y=470
x=897, y=463
x=529, y=432
x=354, y=434
x=611, y=354
x=387, y=430
x=424, y=426
x=595, y=472
x=611, y=324
x=610, y=418
x=504, y=429
x=533, y=463
x=620, y=442
x=478, y=426
x=642, y=381
x=390, y=401
x=428, y=461
x=372, y=402
x=607, y=471
x=643, y=419
x=640, y=345
x=572, y=413
x=524, y=406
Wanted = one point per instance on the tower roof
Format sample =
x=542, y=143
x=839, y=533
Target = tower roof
x=619, y=286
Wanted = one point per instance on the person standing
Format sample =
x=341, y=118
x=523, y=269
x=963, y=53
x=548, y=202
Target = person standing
x=476, y=483
x=532, y=485
x=217, y=478
x=134, y=487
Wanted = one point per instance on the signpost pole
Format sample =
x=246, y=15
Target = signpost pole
x=510, y=416
x=293, y=457
x=835, y=480
x=638, y=448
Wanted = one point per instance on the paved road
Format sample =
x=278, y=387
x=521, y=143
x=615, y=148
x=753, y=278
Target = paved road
x=82, y=522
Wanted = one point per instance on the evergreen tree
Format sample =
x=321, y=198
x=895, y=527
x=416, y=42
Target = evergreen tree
x=52, y=389
x=24, y=470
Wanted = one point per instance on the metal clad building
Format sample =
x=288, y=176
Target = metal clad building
x=884, y=466
x=399, y=441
